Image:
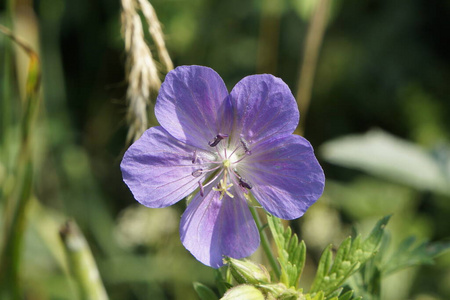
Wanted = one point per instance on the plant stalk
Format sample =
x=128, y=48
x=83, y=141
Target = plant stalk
x=265, y=243
x=313, y=43
x=81, y=263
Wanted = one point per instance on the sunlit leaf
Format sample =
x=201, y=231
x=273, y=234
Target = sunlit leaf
x=382, y=154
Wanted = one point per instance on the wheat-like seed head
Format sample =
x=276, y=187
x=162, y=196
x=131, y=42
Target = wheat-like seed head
x=142, y=72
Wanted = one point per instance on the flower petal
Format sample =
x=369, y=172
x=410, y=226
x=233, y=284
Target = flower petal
x=158, y=169
x=211, y=228
x=193, y=105
x=285, y=175
x=264, y=107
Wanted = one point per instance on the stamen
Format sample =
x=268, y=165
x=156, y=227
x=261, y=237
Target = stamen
x=202, y=190
x=246, y=146
x=239, y=160
x=213, y=179
x=244, y=183
x=197, y=173
x=218, y=153
x=236, y=149
x=217, y=139
x=235, y=173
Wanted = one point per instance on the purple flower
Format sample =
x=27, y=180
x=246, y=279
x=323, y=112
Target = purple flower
x=224, y=146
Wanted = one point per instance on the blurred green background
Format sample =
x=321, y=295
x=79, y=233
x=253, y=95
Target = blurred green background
x=378, y=119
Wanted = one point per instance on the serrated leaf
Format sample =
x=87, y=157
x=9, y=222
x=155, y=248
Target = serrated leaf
x=317, y=296
x=204, y=292
x=291, y=252
x=346, y=296
x=341, y=254
x=322, y=269
x=408, y=255
x=350, y=256
x=335, y=294
x=373, y=241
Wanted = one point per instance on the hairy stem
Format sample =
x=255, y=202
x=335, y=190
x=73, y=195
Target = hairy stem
x=265, y=242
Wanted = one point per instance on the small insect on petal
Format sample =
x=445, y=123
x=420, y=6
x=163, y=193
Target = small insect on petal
x=246, y=146
x=244, y=183
x=197, y=173
x=217, y=139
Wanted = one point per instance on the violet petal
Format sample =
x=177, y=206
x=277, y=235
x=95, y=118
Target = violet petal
x=193, y=105
x=211, y=228
x=264, y=107
x=286, y=176
x=158, y=169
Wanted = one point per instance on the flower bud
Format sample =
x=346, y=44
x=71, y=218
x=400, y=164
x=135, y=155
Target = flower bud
x=280, y=291
x=246, y=271
x=247, y=292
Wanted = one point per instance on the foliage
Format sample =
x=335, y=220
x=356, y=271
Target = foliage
x=382, y=154
x=291, y=252
x=331, y=273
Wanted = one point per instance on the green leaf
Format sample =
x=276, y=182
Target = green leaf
x=346, y=296
x=409, y=253
x=382, y=154
x=204, y=292
x=221, y=283
x=334, y=295
x=350, y=256
x=317, y=296
x=291, y=252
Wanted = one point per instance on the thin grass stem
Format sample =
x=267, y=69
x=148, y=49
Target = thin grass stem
x=313, y=43
x=18, y=199
x=81, y=263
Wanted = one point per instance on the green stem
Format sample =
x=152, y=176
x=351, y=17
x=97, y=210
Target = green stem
x=265, y=242
x=82, y=265
x=17, y=200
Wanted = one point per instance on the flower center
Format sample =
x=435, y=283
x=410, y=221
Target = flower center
x=224, y=164
x=223, y=185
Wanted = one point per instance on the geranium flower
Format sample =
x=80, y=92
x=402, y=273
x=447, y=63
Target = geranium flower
x=224, y=146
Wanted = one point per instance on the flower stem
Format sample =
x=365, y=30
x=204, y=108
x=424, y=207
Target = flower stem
x=265, y=242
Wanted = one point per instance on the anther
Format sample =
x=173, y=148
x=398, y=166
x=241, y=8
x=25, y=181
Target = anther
x=197, y=173
x=246, y=146
x=217, y=139
x=202, y=191
x=244, y=183
x=194, y=159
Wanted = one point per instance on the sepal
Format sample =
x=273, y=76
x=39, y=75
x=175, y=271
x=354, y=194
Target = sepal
x=246, y=271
